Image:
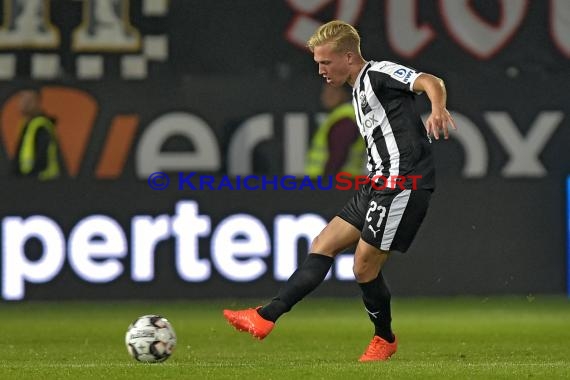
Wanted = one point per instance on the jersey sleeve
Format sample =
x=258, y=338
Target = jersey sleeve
x=399, y=77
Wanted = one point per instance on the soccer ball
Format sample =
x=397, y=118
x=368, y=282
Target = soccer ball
x=150, y=339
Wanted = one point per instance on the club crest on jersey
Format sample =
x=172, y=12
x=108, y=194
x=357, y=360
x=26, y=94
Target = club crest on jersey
x=363, y=101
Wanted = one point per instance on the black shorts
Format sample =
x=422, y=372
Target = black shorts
x=387, y=220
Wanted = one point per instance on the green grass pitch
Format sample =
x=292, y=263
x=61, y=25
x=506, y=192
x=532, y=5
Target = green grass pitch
x=442, y=338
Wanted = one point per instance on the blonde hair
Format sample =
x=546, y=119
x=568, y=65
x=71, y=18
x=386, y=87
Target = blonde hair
x=343, y=36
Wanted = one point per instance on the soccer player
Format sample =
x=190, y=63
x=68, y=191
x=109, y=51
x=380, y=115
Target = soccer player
x=378, y=219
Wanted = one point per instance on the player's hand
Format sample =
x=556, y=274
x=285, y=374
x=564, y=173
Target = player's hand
x=438, y=121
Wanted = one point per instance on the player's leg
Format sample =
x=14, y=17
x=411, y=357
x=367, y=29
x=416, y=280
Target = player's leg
x=368, y=264
x=335, y=237
x=342, y=232
x=391, y=224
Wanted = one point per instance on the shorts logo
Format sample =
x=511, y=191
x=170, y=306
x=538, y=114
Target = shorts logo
x=373, y=231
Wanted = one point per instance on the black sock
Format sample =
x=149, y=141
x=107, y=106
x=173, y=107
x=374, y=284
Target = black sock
x=303, y=281
x=376, y=297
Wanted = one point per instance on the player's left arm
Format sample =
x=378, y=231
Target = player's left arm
x=440, y=118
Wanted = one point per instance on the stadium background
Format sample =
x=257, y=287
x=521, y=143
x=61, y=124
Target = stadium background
x=219, y=89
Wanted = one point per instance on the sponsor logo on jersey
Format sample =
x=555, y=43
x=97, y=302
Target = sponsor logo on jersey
x=403, y=74
x=370, y=122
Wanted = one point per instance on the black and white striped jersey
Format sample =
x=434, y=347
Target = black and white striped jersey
x=396, y=139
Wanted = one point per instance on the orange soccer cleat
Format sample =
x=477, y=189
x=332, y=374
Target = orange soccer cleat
x=379, y=349
x=250, y=321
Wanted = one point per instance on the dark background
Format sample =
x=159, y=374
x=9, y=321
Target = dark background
x=491, y=233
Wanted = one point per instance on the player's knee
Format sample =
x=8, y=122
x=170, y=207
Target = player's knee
x=359, y=273
x=316, y=243
x=364, y=272
x=322, y=246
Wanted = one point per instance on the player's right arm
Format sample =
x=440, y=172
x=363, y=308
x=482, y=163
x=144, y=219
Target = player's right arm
x=440, y=118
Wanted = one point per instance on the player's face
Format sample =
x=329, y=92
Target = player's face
x=333, y=65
